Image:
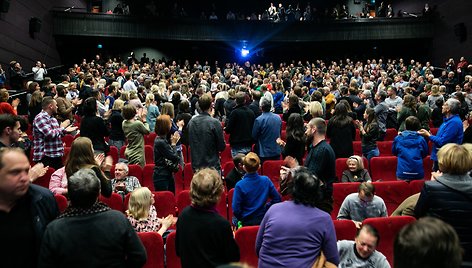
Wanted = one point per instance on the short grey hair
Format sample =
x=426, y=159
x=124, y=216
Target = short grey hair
x=83, y=188
x=454, y=105
x=125, y=166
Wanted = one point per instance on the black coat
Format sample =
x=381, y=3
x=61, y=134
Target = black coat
x=239, y=126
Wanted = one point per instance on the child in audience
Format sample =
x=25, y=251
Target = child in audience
x=355, y=171
x=143, y=215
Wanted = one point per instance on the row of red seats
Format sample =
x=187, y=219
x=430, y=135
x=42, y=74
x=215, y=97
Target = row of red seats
x=246, y=239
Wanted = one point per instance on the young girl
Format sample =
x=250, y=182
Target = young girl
x=143, y=215
x=355, y=171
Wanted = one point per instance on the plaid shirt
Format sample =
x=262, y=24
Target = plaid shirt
x=47, y=137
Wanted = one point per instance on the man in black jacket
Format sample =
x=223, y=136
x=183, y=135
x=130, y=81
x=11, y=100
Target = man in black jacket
x=25, y=210
x=239, y=126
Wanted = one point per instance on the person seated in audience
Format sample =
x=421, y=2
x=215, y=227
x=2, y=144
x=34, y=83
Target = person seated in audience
x=407, y=207
x=428, y=242
x=104, y=236
x=9, y=130
x=448, y=196
x=123, y=183
x=81, y=156
x=295, y=233
x=362, y=205
x=410, y=149
x=251, y=194
x=201, y=227
x=142, y=213
x=355, y=171
x=362, y=251
x=237, y=173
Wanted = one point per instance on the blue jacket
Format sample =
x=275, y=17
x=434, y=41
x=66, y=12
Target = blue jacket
x=250, y=198
x=410, y=148
x=450, y=131
x=266, y=130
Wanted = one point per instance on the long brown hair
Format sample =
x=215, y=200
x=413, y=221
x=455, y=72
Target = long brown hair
x=80, y=156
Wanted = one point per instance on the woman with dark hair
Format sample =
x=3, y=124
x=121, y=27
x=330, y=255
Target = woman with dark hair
x=184, y=114
x=165, y=155
x=82, y=156
x=93, y=127
x=293, y=107
x=436, y=114
x=295, y=145
x=369, y=134
x=298, y=222
x=34, y=106
x=408, y=109
x=341, y=131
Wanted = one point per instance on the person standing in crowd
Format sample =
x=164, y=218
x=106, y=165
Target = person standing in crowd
x=135, y=128
x=25, y=211
x=297, y=222
x=39, y=70
x=381, y=111
x=110, y=238
x=201, y=227
x=93, y=127
x=321, y=161
x=205, y=137
x=410, y=148
x=117, y=136
x=251, y=194
x=450, y=131
x=239, y=125
x=295, y=145
x=449, y=196
x=47, y=135
x=341, y=131
x=362, y=251
x=265, y=132
x=9, y=130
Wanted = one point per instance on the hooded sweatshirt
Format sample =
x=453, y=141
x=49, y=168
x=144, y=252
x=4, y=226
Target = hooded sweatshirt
x=410, y=148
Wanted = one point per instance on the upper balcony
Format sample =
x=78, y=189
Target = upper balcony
x=109, y=25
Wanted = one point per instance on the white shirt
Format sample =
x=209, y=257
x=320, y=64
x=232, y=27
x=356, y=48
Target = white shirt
x=38, y=73
x=129, y=85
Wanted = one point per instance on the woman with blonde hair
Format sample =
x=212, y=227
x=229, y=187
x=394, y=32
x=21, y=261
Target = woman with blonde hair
x=435, y=95
x=355, y=171
x=314, y=109
x=152, y=111
x=81, y=156
x=142, y=213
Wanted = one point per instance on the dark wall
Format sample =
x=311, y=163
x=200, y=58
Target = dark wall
x=15, y=40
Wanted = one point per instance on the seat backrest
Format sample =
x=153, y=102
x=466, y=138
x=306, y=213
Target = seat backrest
x=227, y=167
x=345, y=229
x=172, y=260
x=133, y=170
x=165, y=203
x=230, y=205
x=147, y=178
x=385, y=147
x=341, y=165
x=188, y=175
x=340, y=191
x=225, y=156
x=149, y=138
x=44, y=180
x=391, y=134
x=154, y=246
x=427, y=167
x=416, y=186
x=115, y=201
x=122, y=152
x=357, y=147
x=388, y=228
x=271, y=169
x=65, y=155
x=61, y=202
x=383, y=168
x=149, y=154
x=392, y=192
x=246, y=239
x=114, y=154
x=68, y=139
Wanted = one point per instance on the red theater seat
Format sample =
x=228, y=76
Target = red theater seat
x=391, y=134
x=225, y=156
x=393, y=193
x=388, y=228
x=271, y=169
x=149, y=154
x=385, y=147
x=147, y=180
x=188, y=175
x=345, y=229
x=416, y=186
x=340, y=191
x=149, y=138
x=115, y=201
x=44, y=180
x=172, y=260
x=61, y=201
x=246, y=239
x=154, y=246
x=383, y=168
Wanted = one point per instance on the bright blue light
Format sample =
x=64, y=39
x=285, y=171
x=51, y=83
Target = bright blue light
x=99, y=46
x=244, y=52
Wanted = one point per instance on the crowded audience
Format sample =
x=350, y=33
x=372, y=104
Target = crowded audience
x=306, y=115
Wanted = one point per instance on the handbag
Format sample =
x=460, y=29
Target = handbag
x=172, y=166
